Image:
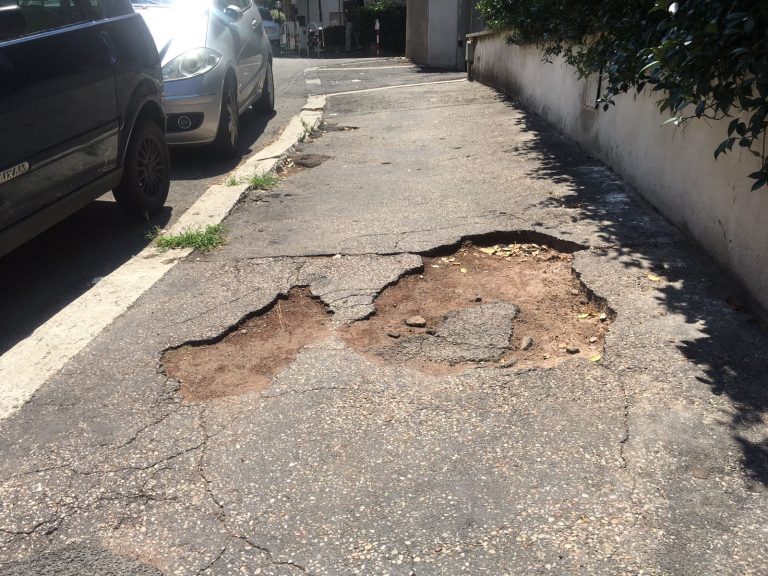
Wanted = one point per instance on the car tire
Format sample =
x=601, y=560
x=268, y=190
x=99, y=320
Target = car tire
x=228, y=133
x=266, y=102
x=146, y=170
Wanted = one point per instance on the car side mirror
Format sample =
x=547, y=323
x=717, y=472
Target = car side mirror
x=233, y=13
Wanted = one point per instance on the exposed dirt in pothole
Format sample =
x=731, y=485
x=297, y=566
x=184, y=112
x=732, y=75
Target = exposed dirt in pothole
x=246, y=359
x=555, y=316
x=508, y=305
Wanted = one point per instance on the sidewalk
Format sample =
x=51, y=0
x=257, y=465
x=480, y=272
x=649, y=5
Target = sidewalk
x=452, y=451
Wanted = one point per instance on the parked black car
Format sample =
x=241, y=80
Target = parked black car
x=80, y=113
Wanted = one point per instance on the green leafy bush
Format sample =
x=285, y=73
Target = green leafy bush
x=706, y=58
x=391, y=19
x=277, y=16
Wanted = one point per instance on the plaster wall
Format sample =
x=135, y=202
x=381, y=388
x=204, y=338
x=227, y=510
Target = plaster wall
x=417, y=31
x=443, y=33
x=673, y=168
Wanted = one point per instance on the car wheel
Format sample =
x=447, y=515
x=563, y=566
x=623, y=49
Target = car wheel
x=229, y=123
x=266, y=102
x=146, y=171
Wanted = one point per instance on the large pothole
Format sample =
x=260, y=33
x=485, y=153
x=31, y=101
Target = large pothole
x=247, y=358
x=503, y=305
x=513, y=304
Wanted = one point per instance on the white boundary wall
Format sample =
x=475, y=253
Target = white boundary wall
x=673, y=168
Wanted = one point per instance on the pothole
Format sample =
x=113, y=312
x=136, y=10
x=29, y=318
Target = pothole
x=309, y=160
x=503, y=305
x=333, y=127
x=511, y=304
x=247, y=358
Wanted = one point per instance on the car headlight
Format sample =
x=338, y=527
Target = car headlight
x=192, y=63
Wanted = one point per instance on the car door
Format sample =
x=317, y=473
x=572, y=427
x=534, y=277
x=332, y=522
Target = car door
x=58, y=117
x=251, y=58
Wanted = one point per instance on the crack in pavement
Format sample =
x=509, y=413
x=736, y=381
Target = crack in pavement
x=221, y=515
x=205, y=311
x=212, y=562
x=305, y=391
x=146, y=427
x=270, y=555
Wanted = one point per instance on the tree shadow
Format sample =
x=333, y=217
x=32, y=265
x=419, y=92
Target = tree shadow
x=732, y=352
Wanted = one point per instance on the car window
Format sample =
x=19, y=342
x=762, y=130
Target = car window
x=265, y=14
x=114, y=8
x=23, y=17
x=240, y=4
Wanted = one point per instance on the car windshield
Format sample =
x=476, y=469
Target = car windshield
x=175, y=3
x=265, y=14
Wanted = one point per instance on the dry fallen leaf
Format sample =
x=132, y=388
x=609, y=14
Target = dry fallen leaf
x=583, y=316
x=463, y=270
x=653, y=277
x=596, y=358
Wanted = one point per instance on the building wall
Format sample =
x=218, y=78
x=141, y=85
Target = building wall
x=311, y=9
x=674, y=169
x=417, y=31
x=443, y=33
x=434, y=30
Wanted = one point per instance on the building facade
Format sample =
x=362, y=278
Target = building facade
x=436, y=31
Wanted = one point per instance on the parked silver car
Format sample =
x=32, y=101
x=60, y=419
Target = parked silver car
x=217, y=61
x=271, y=27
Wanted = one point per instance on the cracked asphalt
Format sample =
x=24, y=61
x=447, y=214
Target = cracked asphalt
x=652, y=461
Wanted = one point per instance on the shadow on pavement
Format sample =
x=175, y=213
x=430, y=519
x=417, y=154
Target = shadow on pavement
x=49, y=272
x=55, y=268
x=733, y=351
x=202, y=162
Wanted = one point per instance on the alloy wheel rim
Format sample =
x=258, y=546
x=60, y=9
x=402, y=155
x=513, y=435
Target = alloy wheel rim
x=231, y=121
x=271, y=89
x=150, y=167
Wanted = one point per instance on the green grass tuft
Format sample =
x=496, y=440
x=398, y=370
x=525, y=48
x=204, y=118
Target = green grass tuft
x=309, y=130
x=201, y=239
x=232, y=180
x=262, y=181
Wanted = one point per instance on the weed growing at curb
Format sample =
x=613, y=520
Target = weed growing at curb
x=201, y=239
x=265, y=181
x=232, y=180
x=309, y=130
